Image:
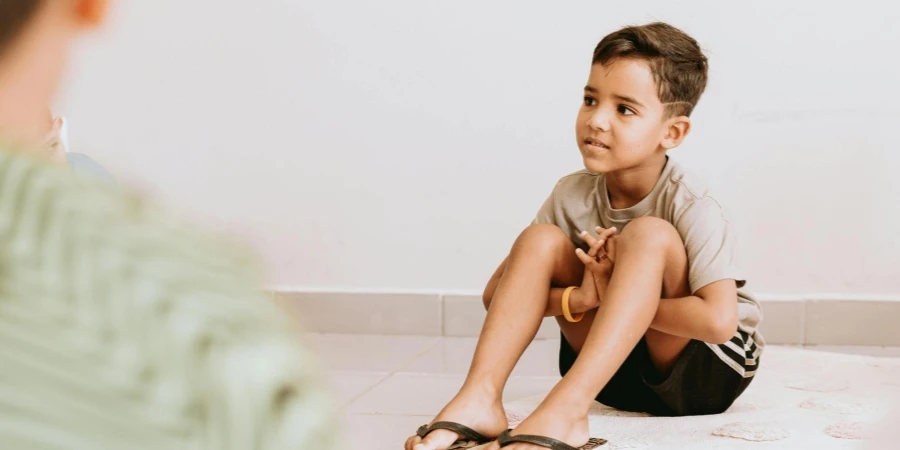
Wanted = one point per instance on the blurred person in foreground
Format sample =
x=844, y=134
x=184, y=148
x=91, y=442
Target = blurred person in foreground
x=120, y=328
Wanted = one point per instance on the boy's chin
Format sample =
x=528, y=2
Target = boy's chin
x=596, y=166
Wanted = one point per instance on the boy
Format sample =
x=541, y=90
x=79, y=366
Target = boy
x=118, y=328
x=652, y=319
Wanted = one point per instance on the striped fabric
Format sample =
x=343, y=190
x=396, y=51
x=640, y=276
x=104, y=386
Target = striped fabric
x=741, y=352
x=120, y=329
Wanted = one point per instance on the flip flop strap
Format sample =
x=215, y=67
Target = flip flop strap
x=457, y=428
x=507, y=439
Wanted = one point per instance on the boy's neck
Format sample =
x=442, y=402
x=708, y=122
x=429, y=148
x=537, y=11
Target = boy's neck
x=628, y=187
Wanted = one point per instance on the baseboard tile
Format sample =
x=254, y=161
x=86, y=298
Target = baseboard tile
x=787, y=320
x=366, y=313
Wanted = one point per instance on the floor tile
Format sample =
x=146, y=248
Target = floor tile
x=347, y=386
x=452, y=355
x=369, y=353
x=416, y=394
x=390, y=385
x=891, y=352
x=377, y=432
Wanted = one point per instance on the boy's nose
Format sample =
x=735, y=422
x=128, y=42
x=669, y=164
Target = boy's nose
x=599, y=120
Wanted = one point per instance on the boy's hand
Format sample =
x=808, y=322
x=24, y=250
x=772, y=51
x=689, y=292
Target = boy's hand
x=598, y=266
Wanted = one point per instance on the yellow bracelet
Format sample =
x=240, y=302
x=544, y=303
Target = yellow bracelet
x=565, y=306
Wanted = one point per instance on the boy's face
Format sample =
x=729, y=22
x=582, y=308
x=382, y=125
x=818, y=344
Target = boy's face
x=621, y=123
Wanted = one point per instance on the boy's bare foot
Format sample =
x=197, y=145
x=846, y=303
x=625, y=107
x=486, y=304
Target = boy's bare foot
x=482, y=413
x=563, y=427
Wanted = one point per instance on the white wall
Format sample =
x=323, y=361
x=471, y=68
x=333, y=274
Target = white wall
x=403, y=144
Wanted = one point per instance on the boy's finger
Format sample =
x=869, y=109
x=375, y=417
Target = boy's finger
x=597, y=248
x=587, y=260
x=611, y=248
x=591, y=240
x=605, y=233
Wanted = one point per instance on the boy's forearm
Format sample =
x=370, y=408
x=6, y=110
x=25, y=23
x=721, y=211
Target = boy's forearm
x=690, y=317
x=554, y=305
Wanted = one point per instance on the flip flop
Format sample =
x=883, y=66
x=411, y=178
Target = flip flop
x=506, y=439
x=470, y=437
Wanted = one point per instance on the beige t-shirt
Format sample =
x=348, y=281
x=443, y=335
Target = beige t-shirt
x=579, y=201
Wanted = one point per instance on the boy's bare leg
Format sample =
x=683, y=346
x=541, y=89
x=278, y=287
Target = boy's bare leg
x=542, y=256
x=650, y=260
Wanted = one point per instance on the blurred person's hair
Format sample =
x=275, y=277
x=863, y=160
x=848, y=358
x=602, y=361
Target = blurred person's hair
x=14, y=15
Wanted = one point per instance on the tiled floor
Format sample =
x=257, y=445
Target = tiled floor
x=386, y=386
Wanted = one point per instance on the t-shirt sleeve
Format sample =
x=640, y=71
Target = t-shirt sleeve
x=546, y=213
x=569, y=207
x=709, y=239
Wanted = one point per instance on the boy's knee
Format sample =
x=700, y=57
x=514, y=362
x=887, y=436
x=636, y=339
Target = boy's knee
x=649, y=232
x=542, y=239
x=542, y=242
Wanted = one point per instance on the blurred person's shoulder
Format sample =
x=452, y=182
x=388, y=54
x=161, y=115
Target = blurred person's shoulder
x=117, y=219
x=149, y=279
x=84, y=165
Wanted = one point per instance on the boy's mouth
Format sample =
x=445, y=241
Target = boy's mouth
x=591, y=142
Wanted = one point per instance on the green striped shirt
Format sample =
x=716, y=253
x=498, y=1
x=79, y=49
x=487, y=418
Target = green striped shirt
x=122, y=329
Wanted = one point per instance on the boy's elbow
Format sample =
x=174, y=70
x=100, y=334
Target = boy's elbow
x=723, y=329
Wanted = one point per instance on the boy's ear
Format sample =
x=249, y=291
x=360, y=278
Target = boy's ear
x=91, y=13
x=677, y=128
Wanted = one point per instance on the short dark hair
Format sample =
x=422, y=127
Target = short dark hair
x=14, y=15
x=678, y=65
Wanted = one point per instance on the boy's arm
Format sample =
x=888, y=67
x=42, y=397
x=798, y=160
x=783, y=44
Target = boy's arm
x=710, y=315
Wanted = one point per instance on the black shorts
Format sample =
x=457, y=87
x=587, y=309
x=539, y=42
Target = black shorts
x=700, y=382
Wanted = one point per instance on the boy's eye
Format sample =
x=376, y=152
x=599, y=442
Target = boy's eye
x=625, y=111
x=589, y=101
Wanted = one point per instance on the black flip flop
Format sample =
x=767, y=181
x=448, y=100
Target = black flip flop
x=506, y=439
x=470, y=437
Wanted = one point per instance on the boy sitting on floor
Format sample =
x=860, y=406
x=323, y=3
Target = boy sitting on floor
x=654, y=318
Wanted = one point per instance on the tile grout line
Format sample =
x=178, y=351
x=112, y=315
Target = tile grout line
x=364, y=392
x=390, y=373
x=804, y=317
x=406, y=364
x=442, y=313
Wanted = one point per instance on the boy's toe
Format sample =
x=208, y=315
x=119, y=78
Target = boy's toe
x=437, y=440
